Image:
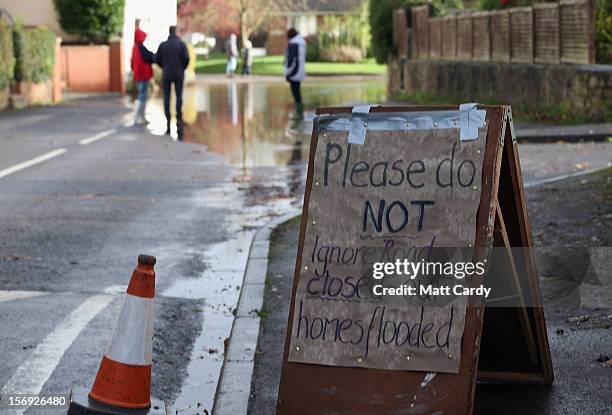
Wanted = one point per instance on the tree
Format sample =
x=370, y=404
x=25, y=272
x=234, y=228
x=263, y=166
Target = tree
x=92, y=20
x=232, y=16
x=208, y=16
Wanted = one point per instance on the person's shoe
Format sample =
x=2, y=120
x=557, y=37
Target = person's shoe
x=179, y=130
x=167, y=129
x=296, y=116
x=137, y=110
x=143, y=111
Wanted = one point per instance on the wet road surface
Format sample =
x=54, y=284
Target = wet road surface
x=81, y=196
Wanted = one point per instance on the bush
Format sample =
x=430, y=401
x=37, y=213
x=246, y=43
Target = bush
x=603, y=31
x=341, y=54
x=312, y=50
x=92, y=20
x=344, y=38
x=7, y=60
x=34, y=53
x=381, y=21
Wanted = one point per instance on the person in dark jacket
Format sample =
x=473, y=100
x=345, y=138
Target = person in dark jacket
x=173, y=57
x=141, y=73
x=295, y=69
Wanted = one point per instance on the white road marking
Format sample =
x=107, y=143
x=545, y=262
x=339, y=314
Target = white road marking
x=115, y=289
x=96, y=137
x=32, y=162
x=32, y=374
x=18, y=295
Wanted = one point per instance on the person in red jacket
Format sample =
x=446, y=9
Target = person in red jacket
x=142, y=72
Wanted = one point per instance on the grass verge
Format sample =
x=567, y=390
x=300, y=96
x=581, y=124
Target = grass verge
x=273, y=65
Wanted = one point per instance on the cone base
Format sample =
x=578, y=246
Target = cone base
x=81, y=404
x=121, y=385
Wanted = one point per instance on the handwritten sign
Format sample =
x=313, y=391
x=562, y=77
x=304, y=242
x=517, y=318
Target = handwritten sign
x=400, y=194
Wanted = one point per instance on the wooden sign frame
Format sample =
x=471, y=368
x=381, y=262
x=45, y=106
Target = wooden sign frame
x=515, y=351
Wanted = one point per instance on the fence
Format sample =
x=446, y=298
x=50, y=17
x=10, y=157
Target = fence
x=554, y=33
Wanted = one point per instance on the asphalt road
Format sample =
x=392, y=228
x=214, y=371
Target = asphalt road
x=81, y=197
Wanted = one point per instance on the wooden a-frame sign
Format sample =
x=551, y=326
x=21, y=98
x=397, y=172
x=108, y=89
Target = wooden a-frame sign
x=497, y=343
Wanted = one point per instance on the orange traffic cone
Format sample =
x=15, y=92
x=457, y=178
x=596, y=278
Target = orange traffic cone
x=124, y=377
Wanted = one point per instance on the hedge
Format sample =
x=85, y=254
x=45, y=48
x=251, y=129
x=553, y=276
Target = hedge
x=603, y=30
x=35, y=53
x=7, y=61
x=92, y=20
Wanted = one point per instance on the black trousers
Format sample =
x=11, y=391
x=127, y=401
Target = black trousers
x=178, y=89
x=295, y=90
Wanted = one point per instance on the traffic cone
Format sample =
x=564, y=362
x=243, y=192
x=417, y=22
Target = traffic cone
x=123, y=381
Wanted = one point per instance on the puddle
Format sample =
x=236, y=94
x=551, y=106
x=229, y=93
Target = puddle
x=248, y=125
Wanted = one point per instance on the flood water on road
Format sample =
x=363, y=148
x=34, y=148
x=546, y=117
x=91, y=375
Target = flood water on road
x=247, y=124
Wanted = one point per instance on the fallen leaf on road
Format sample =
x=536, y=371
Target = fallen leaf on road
x=91, y=195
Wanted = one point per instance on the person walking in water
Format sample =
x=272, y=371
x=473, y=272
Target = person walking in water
x=231, y=50
x=295, y=69
x=173, y=57
x=141, y=73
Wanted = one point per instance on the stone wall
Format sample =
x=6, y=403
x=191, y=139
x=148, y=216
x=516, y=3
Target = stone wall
x=585, y=90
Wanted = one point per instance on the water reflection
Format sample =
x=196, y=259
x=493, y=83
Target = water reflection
x=247, y=123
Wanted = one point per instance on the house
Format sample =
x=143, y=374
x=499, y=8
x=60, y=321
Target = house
x=98, y=68
x=305, y=16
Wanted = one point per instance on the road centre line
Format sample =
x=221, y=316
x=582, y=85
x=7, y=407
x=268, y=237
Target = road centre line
x=97, y=137
x=6, y=295
x=31, y=162
x=33, y=373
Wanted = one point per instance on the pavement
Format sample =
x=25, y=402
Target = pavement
x=540, y=132
x=82, y=195
x=578, y=311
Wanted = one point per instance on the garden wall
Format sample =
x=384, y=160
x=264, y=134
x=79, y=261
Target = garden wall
x=560, y=32
x=584, y=91
x=93, y=68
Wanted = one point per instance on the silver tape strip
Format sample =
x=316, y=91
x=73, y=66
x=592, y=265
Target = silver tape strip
x=467, y=120
x=358, y=124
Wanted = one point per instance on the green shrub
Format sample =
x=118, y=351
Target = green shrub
x=34, y=52
x=92, y=20
x=312, y=50
x=603, y=30
x=344, y=38
x=7, y=60
x=381, y=21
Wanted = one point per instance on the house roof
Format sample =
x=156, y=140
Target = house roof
x=330, y=6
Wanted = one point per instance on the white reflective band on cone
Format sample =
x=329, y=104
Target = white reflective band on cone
x=132, y=340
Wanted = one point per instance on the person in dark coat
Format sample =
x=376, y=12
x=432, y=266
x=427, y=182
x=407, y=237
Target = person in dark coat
x=173, y=57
